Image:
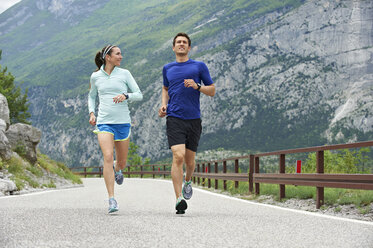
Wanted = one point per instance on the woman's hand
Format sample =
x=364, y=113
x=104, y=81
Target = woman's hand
x=119, y=98
x=92, y=119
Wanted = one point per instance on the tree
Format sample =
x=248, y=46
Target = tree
x=134, y=158
x=17, y=103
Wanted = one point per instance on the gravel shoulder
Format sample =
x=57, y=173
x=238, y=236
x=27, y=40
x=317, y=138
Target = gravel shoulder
x=349, y=211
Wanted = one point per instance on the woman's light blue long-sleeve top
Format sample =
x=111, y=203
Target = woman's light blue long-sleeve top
x=107, y=87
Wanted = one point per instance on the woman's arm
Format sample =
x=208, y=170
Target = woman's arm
x=135, y=94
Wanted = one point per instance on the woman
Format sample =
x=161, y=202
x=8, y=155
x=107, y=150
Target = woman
x=112, y=84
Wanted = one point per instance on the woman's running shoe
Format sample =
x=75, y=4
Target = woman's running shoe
x=113, y=205
x=118, y=175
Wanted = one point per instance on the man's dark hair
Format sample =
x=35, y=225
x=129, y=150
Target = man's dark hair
x=184, y=35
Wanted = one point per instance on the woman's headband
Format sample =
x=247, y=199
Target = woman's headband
x=106, y=51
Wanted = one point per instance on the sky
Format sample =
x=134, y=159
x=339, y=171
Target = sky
x=5, y=4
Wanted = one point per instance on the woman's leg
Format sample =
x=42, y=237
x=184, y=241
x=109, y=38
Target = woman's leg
x=106, y=141
x=121, y=152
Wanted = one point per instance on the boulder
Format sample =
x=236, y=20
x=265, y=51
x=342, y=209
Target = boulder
x=4, y=111
x=7, y=187
x=24, y=138
x=5, y=148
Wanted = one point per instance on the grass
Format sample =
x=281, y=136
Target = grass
x=57, y=168
x=18, y=167
x=360, y=198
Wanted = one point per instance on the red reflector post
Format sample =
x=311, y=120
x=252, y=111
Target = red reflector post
x=299, y=166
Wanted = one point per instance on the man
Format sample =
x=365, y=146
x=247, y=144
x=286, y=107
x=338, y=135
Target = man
x=180, y=102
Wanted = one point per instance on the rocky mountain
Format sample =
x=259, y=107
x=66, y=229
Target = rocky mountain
x=288, y=73
x=305, y=78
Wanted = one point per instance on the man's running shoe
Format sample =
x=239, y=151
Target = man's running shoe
x=187, y=190
x=118, y=175
x=181, y=205
x=113, y=205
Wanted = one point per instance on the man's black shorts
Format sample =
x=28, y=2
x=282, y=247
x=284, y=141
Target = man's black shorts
x=186, y=132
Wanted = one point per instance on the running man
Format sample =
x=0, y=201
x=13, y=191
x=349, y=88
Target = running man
x=180, y=102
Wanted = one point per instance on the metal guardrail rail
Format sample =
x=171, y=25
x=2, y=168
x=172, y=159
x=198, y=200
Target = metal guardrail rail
x=254, y=177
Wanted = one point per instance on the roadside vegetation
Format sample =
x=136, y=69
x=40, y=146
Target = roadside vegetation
x=38, y=175
x=23, y=173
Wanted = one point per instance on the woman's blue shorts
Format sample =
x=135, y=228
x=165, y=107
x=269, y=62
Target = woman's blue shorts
x=120, y=131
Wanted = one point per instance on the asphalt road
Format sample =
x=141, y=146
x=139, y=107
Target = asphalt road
x=78, y=218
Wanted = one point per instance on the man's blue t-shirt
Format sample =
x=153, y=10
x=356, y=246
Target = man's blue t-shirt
x=184, y=102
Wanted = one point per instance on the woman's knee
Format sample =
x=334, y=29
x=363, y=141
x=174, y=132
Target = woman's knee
x=121, y=164
x=108, y=158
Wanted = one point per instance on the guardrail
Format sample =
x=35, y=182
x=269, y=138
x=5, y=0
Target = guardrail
x=318, y=179
x=98, y=171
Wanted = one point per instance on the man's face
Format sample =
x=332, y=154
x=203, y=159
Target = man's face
x=181, y=46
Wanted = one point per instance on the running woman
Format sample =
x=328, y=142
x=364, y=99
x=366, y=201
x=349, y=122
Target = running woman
x=180, y=102
x=115, y=88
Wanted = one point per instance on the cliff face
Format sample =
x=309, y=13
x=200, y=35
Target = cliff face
x=291, y=77
x=309, y=70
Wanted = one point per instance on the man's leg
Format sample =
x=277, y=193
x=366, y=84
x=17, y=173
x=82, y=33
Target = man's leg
x=190, y=164
x=178, y=156
x=106, y=141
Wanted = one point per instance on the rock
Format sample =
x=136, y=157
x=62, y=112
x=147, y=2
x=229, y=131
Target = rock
x=7, y=186
x=5, y=148
x=3, y=125
x=24, y=138
x=4, y=112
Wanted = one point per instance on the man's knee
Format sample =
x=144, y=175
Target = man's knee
x=178, y=157
x=190, y=163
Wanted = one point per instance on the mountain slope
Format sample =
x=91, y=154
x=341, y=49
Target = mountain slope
x=288, y=73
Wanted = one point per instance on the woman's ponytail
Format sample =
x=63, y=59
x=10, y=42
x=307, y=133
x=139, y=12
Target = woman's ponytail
x=100, y=56
x=98, y=60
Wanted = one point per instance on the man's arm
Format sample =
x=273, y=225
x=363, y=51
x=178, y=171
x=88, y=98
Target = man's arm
x=205, y=89
x=163, y=109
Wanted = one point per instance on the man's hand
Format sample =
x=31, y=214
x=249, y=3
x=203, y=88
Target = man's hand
x=162, y=111
x=190, y=83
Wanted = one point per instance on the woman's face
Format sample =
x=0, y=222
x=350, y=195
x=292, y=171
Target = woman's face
x=115, y=57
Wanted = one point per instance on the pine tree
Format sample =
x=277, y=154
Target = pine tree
x=17, y=103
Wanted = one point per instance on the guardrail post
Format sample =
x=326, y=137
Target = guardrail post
x=101, y=172
x=216, y=171
x=257, y=186
x=209, y=171
x=153, y=172
x=236, y=169
x=141, y=171
x=251, y=171
x=225, y=171
x=203, y=171
x=198, y=178
x=128, y=170
x=282, y=171
x=85, y=171
x=164, y=171
x=319, y=170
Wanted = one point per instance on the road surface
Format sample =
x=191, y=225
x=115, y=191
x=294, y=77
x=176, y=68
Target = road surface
x=78, y=218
